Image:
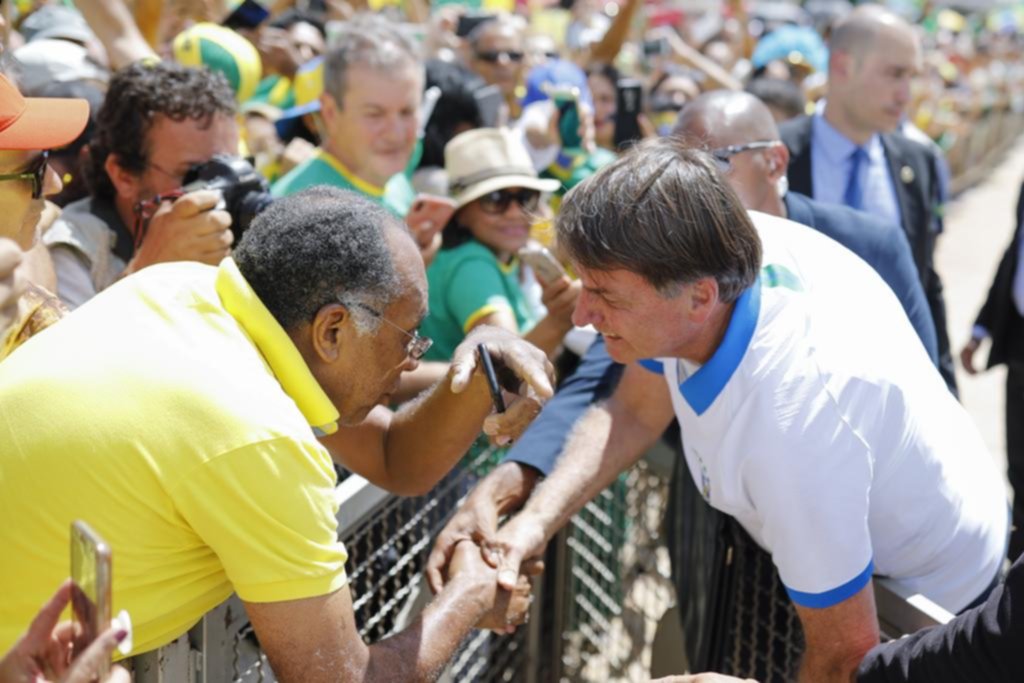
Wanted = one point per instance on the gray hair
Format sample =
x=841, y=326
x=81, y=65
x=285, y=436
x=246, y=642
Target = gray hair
x=320, y=246
x=665, y=213
x=369, y=40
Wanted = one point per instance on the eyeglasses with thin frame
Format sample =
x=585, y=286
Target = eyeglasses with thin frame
x=494, y=56
x=417, y=346
x=36, y=173
x=498, y=201
x=723, y=155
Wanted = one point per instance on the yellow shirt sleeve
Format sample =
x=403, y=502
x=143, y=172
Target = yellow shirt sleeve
x=268, y=511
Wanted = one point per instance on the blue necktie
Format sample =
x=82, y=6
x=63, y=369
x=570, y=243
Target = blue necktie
x=854, y=195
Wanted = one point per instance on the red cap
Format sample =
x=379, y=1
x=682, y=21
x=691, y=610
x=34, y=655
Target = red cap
x=38, y=122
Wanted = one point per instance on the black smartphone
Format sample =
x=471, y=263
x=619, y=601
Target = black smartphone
x=629, y=100
x=469, y=21
x=488, y=102
x=248, y=14
x=492, y=378
x=655, y=48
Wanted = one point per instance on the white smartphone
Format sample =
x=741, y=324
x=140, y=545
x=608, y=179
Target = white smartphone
x=90, y=588
x=542, y=262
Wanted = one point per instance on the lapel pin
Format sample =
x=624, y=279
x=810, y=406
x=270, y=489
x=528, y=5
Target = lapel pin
x=907, y=175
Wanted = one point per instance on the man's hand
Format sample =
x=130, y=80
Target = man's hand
x=12, y=284
x=516, y=543
x=967, y=355
x=43, y=653
x=521, y=367
x=502, y=491
x=510, y=607
x=559, y=297
x=187, y=229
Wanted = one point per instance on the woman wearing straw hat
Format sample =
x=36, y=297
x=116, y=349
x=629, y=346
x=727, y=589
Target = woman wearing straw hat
x=476, y=279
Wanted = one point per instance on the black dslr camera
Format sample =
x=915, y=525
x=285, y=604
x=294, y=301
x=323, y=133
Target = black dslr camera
x=246, y=193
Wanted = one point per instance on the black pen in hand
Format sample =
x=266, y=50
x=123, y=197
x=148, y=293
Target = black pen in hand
x=492, y=379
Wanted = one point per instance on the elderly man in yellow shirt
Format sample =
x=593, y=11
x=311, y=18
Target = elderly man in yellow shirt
x=191, y=412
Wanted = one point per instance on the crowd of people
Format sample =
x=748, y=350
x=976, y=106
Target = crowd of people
x=246, y=247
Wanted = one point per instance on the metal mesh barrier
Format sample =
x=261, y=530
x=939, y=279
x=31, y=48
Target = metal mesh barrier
x=763, y=636
x=617, y=584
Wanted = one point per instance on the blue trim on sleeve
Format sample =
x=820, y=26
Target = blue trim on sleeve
x=836, y=595
x=655, y=366
x=702, y=387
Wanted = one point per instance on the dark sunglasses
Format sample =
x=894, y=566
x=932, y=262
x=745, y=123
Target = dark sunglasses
x=497, y=202
x=723, y=155
x=36, y=172
x=494, y=56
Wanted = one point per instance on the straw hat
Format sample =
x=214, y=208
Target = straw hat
x=487, y=159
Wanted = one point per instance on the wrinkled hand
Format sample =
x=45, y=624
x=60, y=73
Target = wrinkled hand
x=187, y=229
x=44, y=653
x=509, y=608
x=703, y=678
x=503, y=490
x=559, y=297
x=521, y=367
x=520, y=540
x=12, y=283
x=967, y=356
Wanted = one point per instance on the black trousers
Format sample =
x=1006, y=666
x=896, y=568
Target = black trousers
x=1015, y=452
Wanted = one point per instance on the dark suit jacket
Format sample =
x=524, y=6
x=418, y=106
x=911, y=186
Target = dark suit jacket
x=918, y=191
x=999, y=314
x=883, y=246
x=982, y=644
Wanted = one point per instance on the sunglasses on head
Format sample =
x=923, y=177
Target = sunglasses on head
x=498, y=201
x=494, y=56
x=723, y=155
x=36, y=173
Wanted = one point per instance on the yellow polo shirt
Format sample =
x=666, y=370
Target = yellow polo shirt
x=173, y=414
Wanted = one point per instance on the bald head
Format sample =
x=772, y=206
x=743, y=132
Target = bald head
x=866, y=28
x=723, y=117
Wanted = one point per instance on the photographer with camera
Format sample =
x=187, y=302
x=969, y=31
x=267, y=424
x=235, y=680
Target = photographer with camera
x=158, y=122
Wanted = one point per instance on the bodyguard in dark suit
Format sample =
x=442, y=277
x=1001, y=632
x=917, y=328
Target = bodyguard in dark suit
x=849, y=153
x=1002, y=320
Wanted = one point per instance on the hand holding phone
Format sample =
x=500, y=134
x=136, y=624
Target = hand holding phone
x=90, y=588
x=542, y=262
x=492, y=378
x=426, y=218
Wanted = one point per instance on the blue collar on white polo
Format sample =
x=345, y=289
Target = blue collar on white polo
x=702, y=387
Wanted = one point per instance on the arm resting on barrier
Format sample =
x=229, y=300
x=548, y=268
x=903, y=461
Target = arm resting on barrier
x=408, y=451
x=838, y=637
x=609, y=438
x=316, y=639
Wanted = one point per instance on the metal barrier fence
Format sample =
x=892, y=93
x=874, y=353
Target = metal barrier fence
x=606, y=587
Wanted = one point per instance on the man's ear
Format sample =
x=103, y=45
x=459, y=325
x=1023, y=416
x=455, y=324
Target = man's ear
x=840, y=65
x=126, y=183
x=778, y=162
x=327, y=332
x=703, y=297
x=328, y=109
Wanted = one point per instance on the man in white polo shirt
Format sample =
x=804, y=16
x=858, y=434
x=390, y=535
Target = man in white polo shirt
x=809, y=409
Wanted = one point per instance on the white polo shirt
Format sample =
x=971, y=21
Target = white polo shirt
x=821, y=425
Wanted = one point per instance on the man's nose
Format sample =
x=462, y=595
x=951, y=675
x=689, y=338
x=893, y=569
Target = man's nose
x=52, y=183
x=584, y=314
